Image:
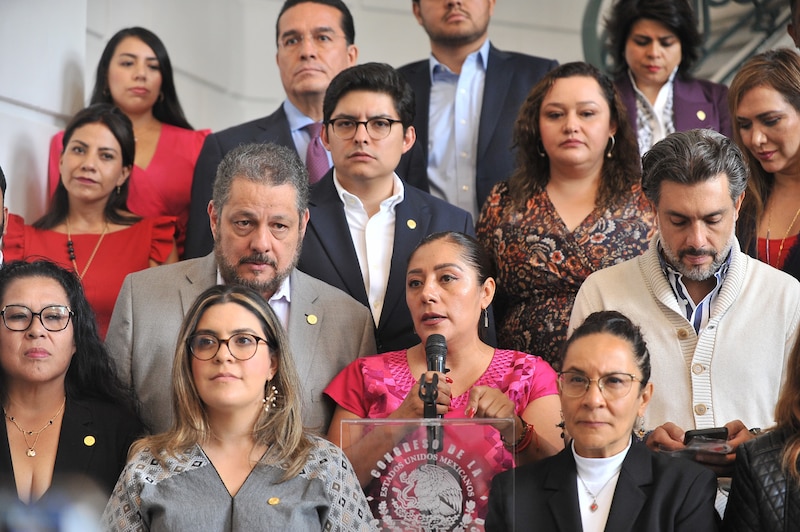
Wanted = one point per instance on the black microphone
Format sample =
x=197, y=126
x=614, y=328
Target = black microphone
x=436, y=353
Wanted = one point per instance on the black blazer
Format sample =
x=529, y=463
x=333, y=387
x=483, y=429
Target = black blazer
x=509, y=78
x=329, y=255
x=654, y=493
x=101, y=459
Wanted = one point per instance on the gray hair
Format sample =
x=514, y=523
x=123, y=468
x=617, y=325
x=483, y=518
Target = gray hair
x=264, y=164
x=691, y=157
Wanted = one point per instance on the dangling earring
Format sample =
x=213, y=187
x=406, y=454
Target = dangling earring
x=270, y=400
x=486, y=318
x=540, y=150
x=161, y=97
x=119, y=190
x=640, y=432
x=561, y=426
x=610, y=150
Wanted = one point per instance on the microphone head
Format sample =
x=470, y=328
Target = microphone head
x=436, y=351
x=435, y=342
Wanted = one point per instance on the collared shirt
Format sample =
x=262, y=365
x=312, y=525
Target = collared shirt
x=279, y=301
x=297, y=121
x=373, y=240
x=697, y=313
x=654, y=122
x=454, y=120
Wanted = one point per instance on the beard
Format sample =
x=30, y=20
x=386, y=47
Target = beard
x=265, y=287
x=697, y=273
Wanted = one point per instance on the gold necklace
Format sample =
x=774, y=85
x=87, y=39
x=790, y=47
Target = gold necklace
x=71, y=250
x=31, y=452
x=783, y=240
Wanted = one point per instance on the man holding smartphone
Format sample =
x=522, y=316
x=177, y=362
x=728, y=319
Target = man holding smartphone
x=719, y=324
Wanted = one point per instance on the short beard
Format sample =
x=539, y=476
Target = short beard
x=266, y=288
x=697, y=273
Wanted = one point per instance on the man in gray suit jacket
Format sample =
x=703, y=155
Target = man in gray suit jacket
x=258, y=214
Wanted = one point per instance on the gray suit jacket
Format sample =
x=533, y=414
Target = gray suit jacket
x=151, y=305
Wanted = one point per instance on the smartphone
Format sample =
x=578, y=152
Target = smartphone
x=717, y=433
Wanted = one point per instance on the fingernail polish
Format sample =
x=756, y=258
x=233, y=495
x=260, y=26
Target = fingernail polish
x=470, y=412
x=448, y=380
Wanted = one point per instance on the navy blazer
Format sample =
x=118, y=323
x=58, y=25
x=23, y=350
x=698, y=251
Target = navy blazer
x=273, y=128
x=509, y=78
x=101, y=459
x=654, y=492
x=696, y=103
x=329, y=254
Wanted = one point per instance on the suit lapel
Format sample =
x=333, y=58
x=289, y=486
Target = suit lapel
x=412, y=219
x=199, y=275
x=305, y=319
x=496, y=86
x=629, y=498
x=329, y=223
x=561, y=482
x=276, y=130
x=75, y=448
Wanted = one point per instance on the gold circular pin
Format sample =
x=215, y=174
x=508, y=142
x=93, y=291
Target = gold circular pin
x=272, y=501
x=411, y=224
x=701, y=115
x=88, y=441
x=311, y=319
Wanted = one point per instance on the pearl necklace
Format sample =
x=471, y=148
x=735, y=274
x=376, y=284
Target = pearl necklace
x=31, y=452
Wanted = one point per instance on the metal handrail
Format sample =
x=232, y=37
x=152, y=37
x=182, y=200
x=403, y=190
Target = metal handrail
x=763, y=20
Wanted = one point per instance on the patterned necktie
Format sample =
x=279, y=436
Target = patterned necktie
x=316, y=156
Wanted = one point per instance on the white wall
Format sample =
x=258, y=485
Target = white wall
x=223, y=54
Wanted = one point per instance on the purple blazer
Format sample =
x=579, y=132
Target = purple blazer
x=697, y=103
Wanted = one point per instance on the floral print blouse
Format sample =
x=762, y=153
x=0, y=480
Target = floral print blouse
x=540, y=264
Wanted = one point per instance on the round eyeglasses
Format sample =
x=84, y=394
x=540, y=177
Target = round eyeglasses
x=612, y=386
x=242, y=346
x=377, y=128
x=54, y=318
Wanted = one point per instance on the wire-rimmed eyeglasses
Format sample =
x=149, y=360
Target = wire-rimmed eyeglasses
x=241, y=346
x=377, y=127
x=18, y=318
x=612, y=386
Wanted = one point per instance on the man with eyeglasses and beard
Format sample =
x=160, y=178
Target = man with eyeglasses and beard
x=364, y=221
x=719, y=324
x=258, y=215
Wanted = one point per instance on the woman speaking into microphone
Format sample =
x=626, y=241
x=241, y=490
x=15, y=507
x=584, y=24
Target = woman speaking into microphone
x=448, y=290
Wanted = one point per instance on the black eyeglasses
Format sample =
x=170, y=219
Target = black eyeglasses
x=612, y=386
x=54, y=318
x=377, y=128
x=242, y=346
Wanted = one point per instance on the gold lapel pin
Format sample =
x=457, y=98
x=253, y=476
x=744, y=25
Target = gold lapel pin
x=272, y=501
x=411, y=224
x=89, y=441
x=701, y=115
x=311, y=319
